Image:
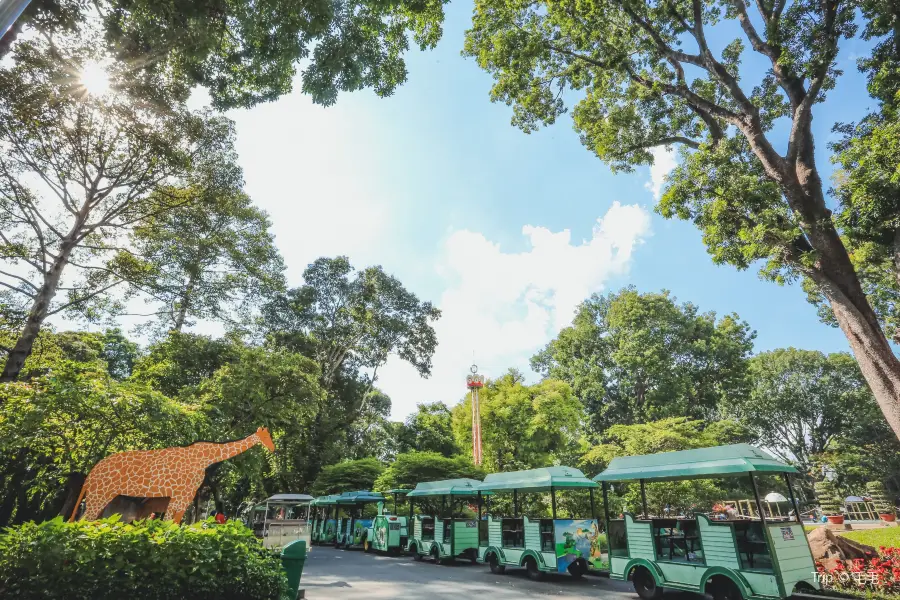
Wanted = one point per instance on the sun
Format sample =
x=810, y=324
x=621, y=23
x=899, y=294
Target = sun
x=95, y=79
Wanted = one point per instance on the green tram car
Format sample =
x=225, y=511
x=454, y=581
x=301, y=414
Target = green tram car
x=389, y=531
x=449, y=533
x=352, y=525
x=324, y=520
x=540, y=545
x=761, y=558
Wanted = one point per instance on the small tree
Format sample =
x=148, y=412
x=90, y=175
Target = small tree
x=829, y=501
x=883, y=504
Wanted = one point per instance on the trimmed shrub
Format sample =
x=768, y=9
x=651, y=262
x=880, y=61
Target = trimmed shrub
x=829, y=501
x=879, y=495
x=107, y=559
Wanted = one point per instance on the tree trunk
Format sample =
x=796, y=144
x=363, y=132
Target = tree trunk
x=181, y=315
x=876, y=359
x=39, y=309
x=833, y=271
x=74, y=483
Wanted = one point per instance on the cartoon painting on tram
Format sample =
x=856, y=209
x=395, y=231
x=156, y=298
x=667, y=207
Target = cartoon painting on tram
x=577, y=539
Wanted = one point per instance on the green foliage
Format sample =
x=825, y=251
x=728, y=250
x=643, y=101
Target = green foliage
x=184, y=360
x=634, y=357
x=879, y=495
x=523, y=427
x=106, y=560
x=429, y=429
x=119, y=352
x=667, y=435
x=412, y=468
x=801, y=400
x=829, y=499
x=348, y=476
x=245, y=53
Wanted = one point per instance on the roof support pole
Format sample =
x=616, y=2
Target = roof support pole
x=759, y=507
x=515, y=504
x=553, y=502
x=644, y=500
x=605, y=503
x=790, y=487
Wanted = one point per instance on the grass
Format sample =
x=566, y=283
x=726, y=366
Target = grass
x=885, y=536
x=882, y=536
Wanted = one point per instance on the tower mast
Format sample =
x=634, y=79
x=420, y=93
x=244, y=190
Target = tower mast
x=474, y=382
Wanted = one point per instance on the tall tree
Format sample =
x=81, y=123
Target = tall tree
x=650, y=78
x=211, y=258
x=523, y=427
x=355, y=320
x=633, y=357
x=802, y=402
x=429, y=429
x=78, y=168
x=350, y=323
x=246, y=52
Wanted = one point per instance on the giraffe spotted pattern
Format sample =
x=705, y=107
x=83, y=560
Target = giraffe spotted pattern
x=173, y=473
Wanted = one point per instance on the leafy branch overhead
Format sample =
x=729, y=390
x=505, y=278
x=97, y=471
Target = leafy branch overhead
x=645, y=74
x=246, y=53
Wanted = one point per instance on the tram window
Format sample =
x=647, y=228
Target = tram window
x=618, y=542
x=752, y=546
x=548, y=539
x=427, y=528
x=513, y=531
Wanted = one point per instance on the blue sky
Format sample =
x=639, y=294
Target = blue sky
x=470, y=213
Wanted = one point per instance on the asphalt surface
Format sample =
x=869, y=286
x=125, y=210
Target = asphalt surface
x=355, y=575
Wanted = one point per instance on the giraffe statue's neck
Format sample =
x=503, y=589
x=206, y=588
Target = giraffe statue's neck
x=226, y=450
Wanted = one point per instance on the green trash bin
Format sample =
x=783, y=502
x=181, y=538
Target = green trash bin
x=293, y=556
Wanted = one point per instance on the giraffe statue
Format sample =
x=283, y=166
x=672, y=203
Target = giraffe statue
x=173, y=473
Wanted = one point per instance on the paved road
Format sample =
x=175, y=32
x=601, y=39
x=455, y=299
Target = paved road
x=353, y=575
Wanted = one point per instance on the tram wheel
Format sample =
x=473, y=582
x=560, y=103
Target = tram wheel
x=645, y=584
x=435, y=555
x=577, y=569
x=725, y=589
x=534, y=573
x=417, y=556
x=496, y=567
x=367, y=547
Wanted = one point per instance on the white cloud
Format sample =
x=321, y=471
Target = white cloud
x=663, y=163
x=504, y=306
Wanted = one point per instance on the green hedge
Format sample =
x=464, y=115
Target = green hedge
x=149, y=560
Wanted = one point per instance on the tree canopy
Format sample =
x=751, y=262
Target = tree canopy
x=245, y=53
x=633, y=357
x=429, y=429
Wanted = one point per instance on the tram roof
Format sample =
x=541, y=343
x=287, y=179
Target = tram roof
x=360, y=497
x=298, y=498
x=537, y=480
x=694, y=464
x=325, y=500
x=446, y=487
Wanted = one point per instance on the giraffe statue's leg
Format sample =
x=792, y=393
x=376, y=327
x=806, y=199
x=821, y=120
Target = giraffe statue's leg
x=95, y=503
x=178, y=504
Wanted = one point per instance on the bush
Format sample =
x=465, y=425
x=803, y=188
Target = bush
x=149, y=560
